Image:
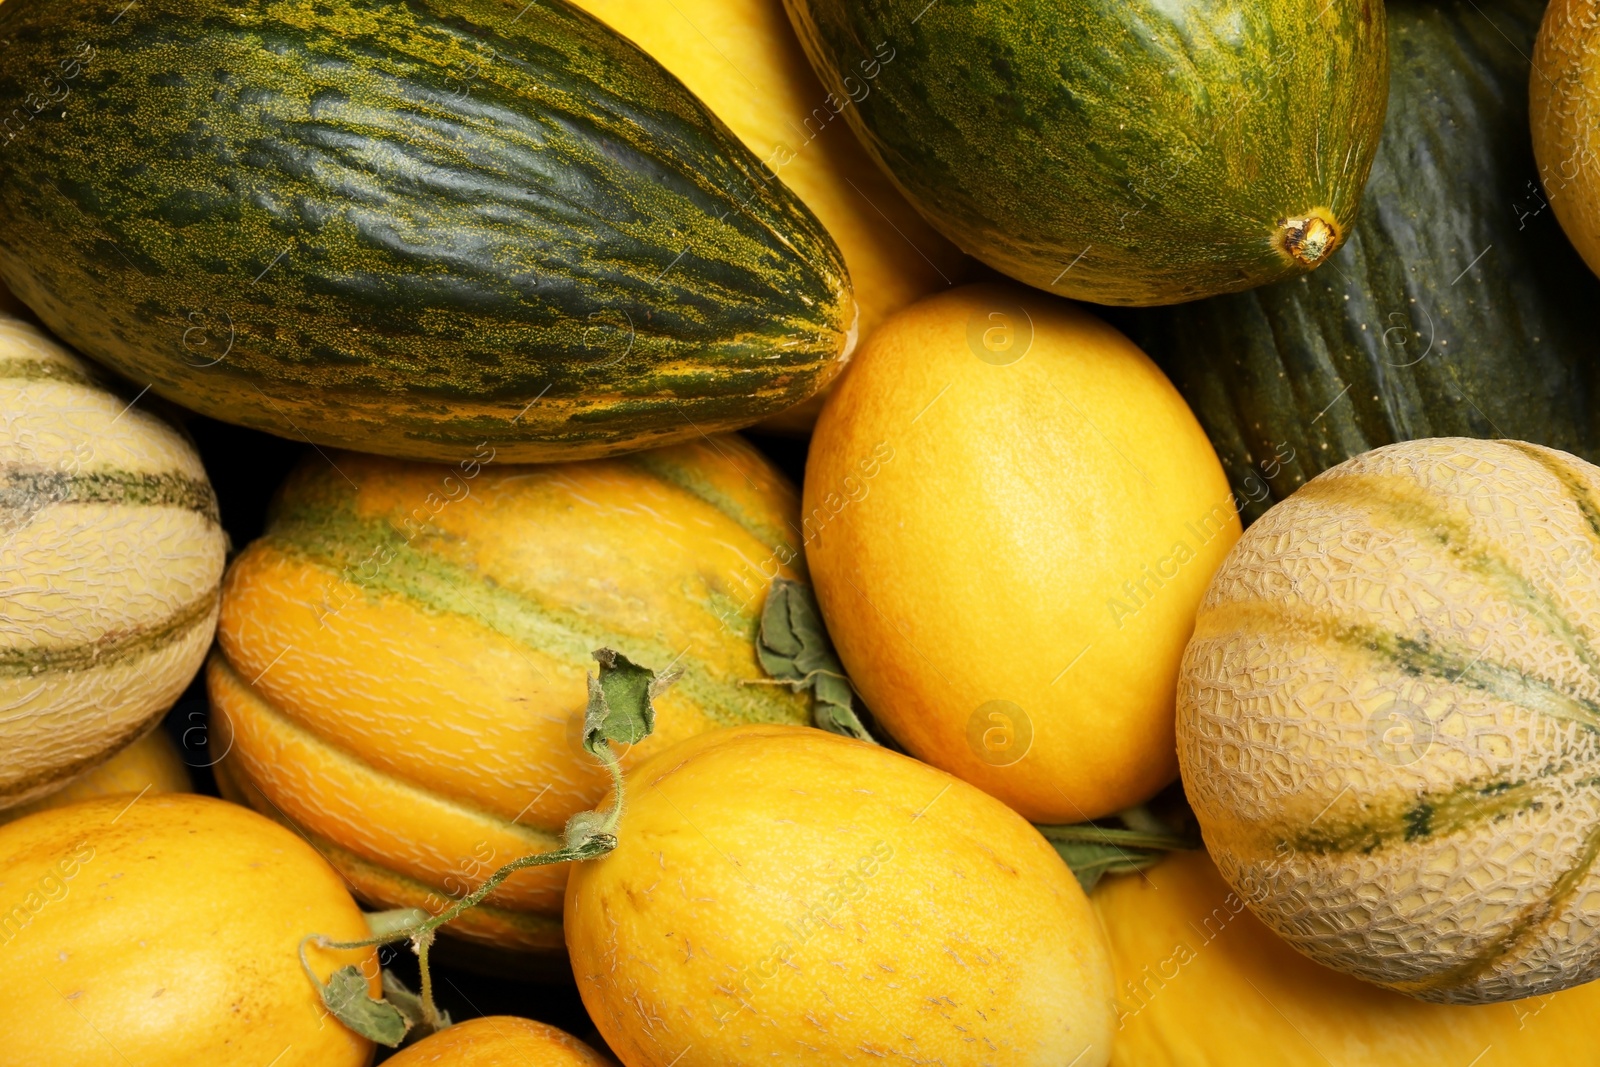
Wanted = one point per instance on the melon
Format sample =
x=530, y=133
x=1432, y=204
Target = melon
x=783, y=896
x=111, y=556
x=163, y=930
x=493, y=1040
x=151, y=765
x=402, y=656
x=1201, y=983
x=1010, y=515
x=742, y=59
x=1388, y=719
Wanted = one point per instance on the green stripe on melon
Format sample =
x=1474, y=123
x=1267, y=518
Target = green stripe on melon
x=111, y=559
x=403, y=655
x=1389, y=719
x=319, y=525
x=409, y=227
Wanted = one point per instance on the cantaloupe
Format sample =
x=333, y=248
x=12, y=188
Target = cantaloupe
x=1389, y=719
x=111, y=555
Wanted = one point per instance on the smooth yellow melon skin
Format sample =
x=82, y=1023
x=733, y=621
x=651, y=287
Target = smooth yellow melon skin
x=163, y=930
x=110, y=596
x=149, y=765
x=1564, y=105
x=1389, y=719
x=1201, y=983
x=792, y=896
x=742, y=58
x=499, y=1041
x=417, y=712
x=1010, y=516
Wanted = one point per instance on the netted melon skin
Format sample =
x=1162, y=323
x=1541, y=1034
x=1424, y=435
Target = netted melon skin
x=1389, y=719
x=111, y=557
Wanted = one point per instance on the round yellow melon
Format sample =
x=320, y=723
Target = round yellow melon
x=1389, y=719
x=1010, y=515
x=742, y=58
x=1201, y=983
x=1564, y=103
x=784, y=896
x=149, y=765
x=499, y=1041
x=111, y=558
x=163, y=930
x=403, y=654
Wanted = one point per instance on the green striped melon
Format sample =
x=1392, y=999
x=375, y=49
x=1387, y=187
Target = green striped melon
x=406, y=226
x=402, y=655
x=111, y=558
x=1389, y=719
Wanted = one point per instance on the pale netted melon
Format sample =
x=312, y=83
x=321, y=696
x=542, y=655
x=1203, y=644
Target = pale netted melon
x=111, y=558
x=1389, y=719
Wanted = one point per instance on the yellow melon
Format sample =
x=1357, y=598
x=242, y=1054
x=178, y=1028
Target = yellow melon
x=784, y=896
x=1389, y=719
x=149, y=765
x=164, y=930
x=111, y=558
x=1010, y=515
x=402, y=660
x=499, y=1041
x=1564, y=102
x=1201, y=983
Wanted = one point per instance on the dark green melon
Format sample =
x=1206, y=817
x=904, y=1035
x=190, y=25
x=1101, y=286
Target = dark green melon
x=1456, y=309
x=405, y=226
x=1121, y=151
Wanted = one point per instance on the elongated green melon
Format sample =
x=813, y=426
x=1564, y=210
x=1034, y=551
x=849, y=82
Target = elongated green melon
x=110, y=566
x=405, y=227
x=1457, y=307
x=1121, y=151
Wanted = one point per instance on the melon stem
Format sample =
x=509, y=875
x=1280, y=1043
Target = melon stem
x=394, y=927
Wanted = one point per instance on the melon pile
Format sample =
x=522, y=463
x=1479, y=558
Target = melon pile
x=1025, y=533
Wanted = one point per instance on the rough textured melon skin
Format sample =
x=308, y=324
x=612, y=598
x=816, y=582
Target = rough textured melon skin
x=111, y=559
x=151, y=765
x=402, y=656
x=405, y=226
x=1121, y=151
x=1389, y=712
x=742, y=58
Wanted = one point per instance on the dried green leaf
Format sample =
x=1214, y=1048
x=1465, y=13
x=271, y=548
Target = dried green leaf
x=794, y=649
x=620, y=709
x=347, y=1000
x=1096, y=849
